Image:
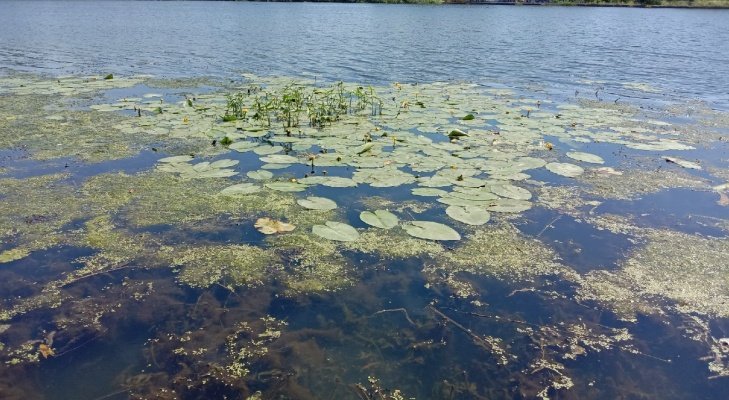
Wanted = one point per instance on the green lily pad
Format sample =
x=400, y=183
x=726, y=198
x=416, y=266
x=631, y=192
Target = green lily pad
x=339, y=182
x=337, y=231
x=317, y=203
x=241, y=189
x=379, y=219
x=286, y=186
x=243, y=146
x=260, y=175
x=565, y=169
x=509, y=206
x=511, y=192
x=267, y=150
x=431, y=231
x=585, y=157
x=469, y=215
x=429, y=192
x=176, y=159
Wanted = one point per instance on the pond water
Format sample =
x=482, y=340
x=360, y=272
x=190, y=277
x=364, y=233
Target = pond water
x=335, y=201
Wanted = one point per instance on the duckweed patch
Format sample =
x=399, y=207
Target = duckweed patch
x=500, y=251
x=228, y=265
x=686, y=271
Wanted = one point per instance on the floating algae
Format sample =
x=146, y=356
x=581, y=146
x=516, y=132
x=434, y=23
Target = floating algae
x=237, y=265
x=500, y=251
x=673, y=271
x=316, y=158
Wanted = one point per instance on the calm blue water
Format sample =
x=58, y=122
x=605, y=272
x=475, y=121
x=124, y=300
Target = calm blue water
x=683, y=53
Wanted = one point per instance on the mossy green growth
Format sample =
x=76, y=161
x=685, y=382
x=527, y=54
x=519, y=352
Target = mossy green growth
x=315, y=264
x=672, y=271
x=501, y=251
x=34, y=211
x=157, y=198
x=228, y=265
x=394, y=244
x=88, y=136
x=13, y=254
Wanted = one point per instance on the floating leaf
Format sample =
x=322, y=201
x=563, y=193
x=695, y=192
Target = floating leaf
x=379, y=219
x=468, y=117
x=511, y=192
x=509, y=206
x=286, y=186
x=336, y=181
x=565, y=169
x=266, y=150
x=176, y=159
x=241, y=189
x=269, y=226
x=431, y=231
x=456, y=133
x=683, y=163
x=317, y=203
x=429, y=192
x=723, y=199
x=243, y=146
x=45, y=350
x=585, y=157
x=336, y=231
x=225, y=163
x=469, y=215
x=260, y=175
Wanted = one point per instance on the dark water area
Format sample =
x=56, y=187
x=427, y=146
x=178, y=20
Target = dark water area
x=682, y=53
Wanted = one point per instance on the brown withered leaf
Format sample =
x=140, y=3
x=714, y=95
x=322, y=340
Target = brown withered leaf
x=45, y=350
x=723, y=199
x=269, y=226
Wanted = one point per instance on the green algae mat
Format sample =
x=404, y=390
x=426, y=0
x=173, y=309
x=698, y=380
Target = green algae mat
x=273, y=237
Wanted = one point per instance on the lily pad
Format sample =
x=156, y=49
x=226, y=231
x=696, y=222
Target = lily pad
x=260, y=175
x=469, y=215
x=429, y=192
x=511, y=192
x=176, y=159
x=286, y=186
x=585, y=157
x=266, y=150
x=269, y=226
x=243, y=146
x=379, y=219
x=565, y=169
x=337, y=231
x=509, y=206
x=431, y=231
x=317, y=203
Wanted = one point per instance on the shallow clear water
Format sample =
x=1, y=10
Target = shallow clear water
x=133, y=332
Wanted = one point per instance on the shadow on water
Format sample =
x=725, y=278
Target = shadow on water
x=579, y=244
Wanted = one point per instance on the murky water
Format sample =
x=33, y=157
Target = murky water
x=571, y=162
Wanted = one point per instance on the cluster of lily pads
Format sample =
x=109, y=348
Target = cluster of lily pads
x=472, y=149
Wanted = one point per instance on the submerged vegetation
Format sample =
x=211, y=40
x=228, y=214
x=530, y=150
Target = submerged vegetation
x=287, y=229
